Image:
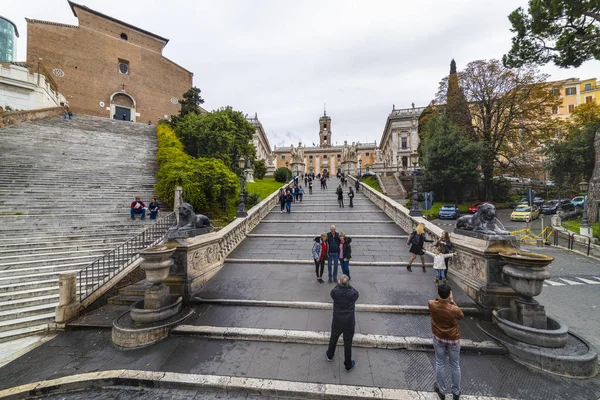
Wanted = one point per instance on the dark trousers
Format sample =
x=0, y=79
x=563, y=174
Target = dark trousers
x=319, y=267
x=300, y=197
x=282, y=204
x=351, y=203
x=138, y=211
x=347, y=330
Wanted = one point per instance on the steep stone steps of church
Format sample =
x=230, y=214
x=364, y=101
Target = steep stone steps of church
x=65, y=194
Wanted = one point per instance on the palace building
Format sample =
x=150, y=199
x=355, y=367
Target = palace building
x=325, y=158
x=106, y=67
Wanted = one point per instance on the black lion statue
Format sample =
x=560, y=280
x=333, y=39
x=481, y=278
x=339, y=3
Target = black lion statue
x=483, y=221
x=188, y=219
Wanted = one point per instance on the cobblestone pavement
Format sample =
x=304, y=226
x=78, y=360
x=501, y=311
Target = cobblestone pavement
x=289, y=276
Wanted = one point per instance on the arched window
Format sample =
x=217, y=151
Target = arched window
x=124, y=36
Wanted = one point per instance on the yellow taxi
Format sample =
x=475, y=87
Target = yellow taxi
x=524, y=212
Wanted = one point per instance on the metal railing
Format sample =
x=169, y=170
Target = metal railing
x=101, y=270
x=583, y=244
x=526, y=236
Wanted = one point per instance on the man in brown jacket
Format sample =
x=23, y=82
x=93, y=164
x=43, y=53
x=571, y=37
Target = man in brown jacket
x=445, y=315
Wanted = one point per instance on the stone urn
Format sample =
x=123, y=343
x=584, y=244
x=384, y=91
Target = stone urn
x=157, y=263
x=526, y=272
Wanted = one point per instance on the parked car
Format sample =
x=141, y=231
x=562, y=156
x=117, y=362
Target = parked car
x=473, y=209
x=510, y=178
x=449, y=211
x=577, y=201
x=538, y=201
x=566, y=205
x=524, y=212
x=551, y=207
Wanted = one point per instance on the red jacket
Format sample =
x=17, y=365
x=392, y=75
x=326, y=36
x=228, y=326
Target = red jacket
x=133, y=203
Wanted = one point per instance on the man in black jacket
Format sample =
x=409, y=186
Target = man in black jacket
x=344, y=297
x=333, y=253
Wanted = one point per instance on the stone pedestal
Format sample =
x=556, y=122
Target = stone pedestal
x=249, y=174
x=586, y=231
x=477, y=268
x=68, y=301
x=156, y=296
x=297, y=168
x=349, y=167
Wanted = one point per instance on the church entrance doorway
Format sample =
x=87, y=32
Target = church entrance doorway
x=122, y=113
x=122, y=107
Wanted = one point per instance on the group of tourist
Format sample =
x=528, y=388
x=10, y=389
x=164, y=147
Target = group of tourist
x=138, y=207
x=337, y=249
x=442, y=251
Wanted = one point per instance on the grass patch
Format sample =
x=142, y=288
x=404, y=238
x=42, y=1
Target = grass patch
x=372, y=182
x=574, y=225
x=264, y=187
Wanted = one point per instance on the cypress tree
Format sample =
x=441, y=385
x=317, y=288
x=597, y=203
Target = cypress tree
x=457, y=109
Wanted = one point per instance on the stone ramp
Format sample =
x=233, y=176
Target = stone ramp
x=65, y=190
x=392, y=188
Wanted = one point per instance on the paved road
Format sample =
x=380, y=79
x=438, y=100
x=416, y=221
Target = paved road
x=504, y=217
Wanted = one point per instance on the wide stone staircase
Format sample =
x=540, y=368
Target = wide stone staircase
x=392, y=188
x=65, y=190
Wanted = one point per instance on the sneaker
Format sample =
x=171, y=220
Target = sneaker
x=409, y=268
x=436, y=389
x=327, y=357
x=424, y=270
x=352, y=367
x=320, y=280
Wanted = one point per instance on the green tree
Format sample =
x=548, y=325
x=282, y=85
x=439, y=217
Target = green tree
x=429, y=112
x=224, y=134
x=191, y=102
x=565, y=32
x=260, y=169
x=449, y=158
x=457, y=108
x=282, y=174
x=510, y=110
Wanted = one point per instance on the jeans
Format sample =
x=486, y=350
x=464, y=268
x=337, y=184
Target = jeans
x=453, y=351
x=348, y=331
x=440, y=273
x=288, y=206
x=332, y=258
x=138, y=211
x=345, y=267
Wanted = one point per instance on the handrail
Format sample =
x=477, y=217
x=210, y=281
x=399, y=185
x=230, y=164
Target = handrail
x=102, y=269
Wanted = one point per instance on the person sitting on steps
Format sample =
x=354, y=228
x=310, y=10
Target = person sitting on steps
x=153, y=207
x=138, y=207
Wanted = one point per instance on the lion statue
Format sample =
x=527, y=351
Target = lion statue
x=483, y=221
x=188, y=219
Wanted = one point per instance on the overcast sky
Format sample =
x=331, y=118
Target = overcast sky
x=285, y=59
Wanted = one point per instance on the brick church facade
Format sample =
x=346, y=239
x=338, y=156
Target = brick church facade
x=106, y=67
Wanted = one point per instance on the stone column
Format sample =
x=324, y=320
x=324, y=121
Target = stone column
x=68, y=301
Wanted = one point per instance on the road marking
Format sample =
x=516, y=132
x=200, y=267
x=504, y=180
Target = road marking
x=552, y=283
x=570, y=282
x=591, y=282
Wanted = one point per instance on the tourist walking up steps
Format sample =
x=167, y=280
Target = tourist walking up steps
x=357, y=185
x=310, y=182
x=289, y=198
x=439, y=265
x=416, y=240
x=445, y=247
x=445, y=315
x=300, y=193
x=333, y=246
x=345, y=254
x=340, y=196
x=344, y=298
x=351, y=196
x=319, y=252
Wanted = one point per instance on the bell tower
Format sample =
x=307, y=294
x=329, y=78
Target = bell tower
x=325, y=130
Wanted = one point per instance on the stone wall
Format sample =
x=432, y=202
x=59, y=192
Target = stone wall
x=16, y=117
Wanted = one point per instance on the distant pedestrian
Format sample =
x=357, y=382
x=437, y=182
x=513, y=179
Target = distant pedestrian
x=153, y=207
x=445, y=247
x=344, y=299
x=333, y=246
x=282, y=196
x=416, y=241
x=305, y=180
x=438, y=264
x=300, y=193
x=357, y=185
x=319, y=253
x=310, y=183
x=70, y=114
x=345, y=253
x=294, y=193
x=351, y=196
x=289, y=199
x=124, y=116
x=325, y=182
x=445, y=315
x=64, y=115
x=340, y=196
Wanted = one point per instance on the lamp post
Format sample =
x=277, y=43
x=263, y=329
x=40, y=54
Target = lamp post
x=415, y=210
x=585, y=223
x=241, y=212
x=359, y=168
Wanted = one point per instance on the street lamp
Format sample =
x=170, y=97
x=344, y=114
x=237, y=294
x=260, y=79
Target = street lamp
x=359, y=168
x=415, y=210
x=583, y=186
x=241, y=212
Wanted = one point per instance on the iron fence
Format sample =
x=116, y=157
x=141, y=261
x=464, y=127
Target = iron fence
x=101, y=270
x=568, y=240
